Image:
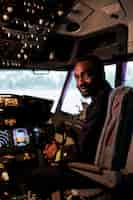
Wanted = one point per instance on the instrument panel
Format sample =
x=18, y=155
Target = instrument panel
x=17, y=137
x=22, y=119
x=21, y=111
x=8, y=101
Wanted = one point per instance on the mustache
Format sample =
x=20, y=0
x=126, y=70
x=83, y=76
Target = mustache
x=85, y=85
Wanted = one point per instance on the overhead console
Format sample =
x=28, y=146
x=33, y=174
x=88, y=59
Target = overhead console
x=25, y=27
x=108, y=43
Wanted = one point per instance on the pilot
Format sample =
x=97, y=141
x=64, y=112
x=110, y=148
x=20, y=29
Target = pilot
x=90, y=79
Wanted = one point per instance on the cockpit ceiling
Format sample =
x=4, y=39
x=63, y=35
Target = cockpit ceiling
x=93, y=15
x=35, y=31
x=28, y=30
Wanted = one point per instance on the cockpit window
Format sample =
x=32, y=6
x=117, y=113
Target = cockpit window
x=110, y=71
x=45, y=84
x=129, y=74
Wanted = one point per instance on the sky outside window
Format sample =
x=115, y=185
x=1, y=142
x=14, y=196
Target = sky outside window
x=46, y=84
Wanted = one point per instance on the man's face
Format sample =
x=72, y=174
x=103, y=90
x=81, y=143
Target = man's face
x=84, y=78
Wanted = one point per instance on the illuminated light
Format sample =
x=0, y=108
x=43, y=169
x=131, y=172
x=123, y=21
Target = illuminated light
x=10, y=9
x=3, y=63
x=60, y=12
x=22, y=36
x=52, y=16
x=8, y=64
x=19, y=55
x=47, y=23
x=48, y=30
x=52, y=25
x=40, y=21
x=29, y=4
x=36, y=129
x=42, y=8
x=3, y=28
x=38, y=7
x=25, y=56
x=32, y=36
x=36, y=38
x=32, y=11
x=5, y=177
x=34, y=4
x=31, y=46
x=51, y=55
x=12, y=63
x=5, y=17
x=44, y=38
x=25, y=25
x=38, y=46
x=27, y=10
x=24, y=3
x=22, y=51
x=18, y=36
x=16, y=21
x=25, y=44
x=9, y=35
x=29, y=26
x=37, y=28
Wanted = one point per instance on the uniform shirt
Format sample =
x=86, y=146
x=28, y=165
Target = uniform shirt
x=92, y=125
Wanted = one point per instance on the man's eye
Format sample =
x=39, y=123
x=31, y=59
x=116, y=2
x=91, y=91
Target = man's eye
x=76, y=77
x=85, y=75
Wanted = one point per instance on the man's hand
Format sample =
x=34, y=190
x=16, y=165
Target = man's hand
x=50, y=151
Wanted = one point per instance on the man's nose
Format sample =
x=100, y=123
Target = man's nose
x=81, y=81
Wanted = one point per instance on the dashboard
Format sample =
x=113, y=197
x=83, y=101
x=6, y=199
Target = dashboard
x=18, y=110
x=24, y=130
x=23, y=123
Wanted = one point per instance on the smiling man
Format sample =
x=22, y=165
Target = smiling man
x=90, y=80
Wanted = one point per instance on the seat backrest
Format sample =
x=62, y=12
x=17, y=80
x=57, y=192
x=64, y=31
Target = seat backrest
x=129, y=161
x=117, y=132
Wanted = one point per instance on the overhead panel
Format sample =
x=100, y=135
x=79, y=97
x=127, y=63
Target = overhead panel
x=80, y=12
x=28, y=32
x=128, y=5
x=115, y=10
x=99, y=4
x=94, y=15
x=108, y=43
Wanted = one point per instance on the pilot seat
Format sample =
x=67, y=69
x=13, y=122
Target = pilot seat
x=113, y=166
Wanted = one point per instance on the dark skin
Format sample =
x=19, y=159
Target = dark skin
x=88, y=86
x=85, y=80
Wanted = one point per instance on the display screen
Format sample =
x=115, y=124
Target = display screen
x=23, y=111
x=20, y=137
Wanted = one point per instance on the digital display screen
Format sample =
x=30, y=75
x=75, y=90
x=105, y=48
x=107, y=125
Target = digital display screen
x=20, y=137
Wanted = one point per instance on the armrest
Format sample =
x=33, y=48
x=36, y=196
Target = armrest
x=108, y=179
x=84, y=166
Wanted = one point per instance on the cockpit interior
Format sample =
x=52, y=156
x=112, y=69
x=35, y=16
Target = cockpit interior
x=39, y=43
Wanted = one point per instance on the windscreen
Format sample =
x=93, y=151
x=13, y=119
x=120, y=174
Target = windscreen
x=43, y=84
